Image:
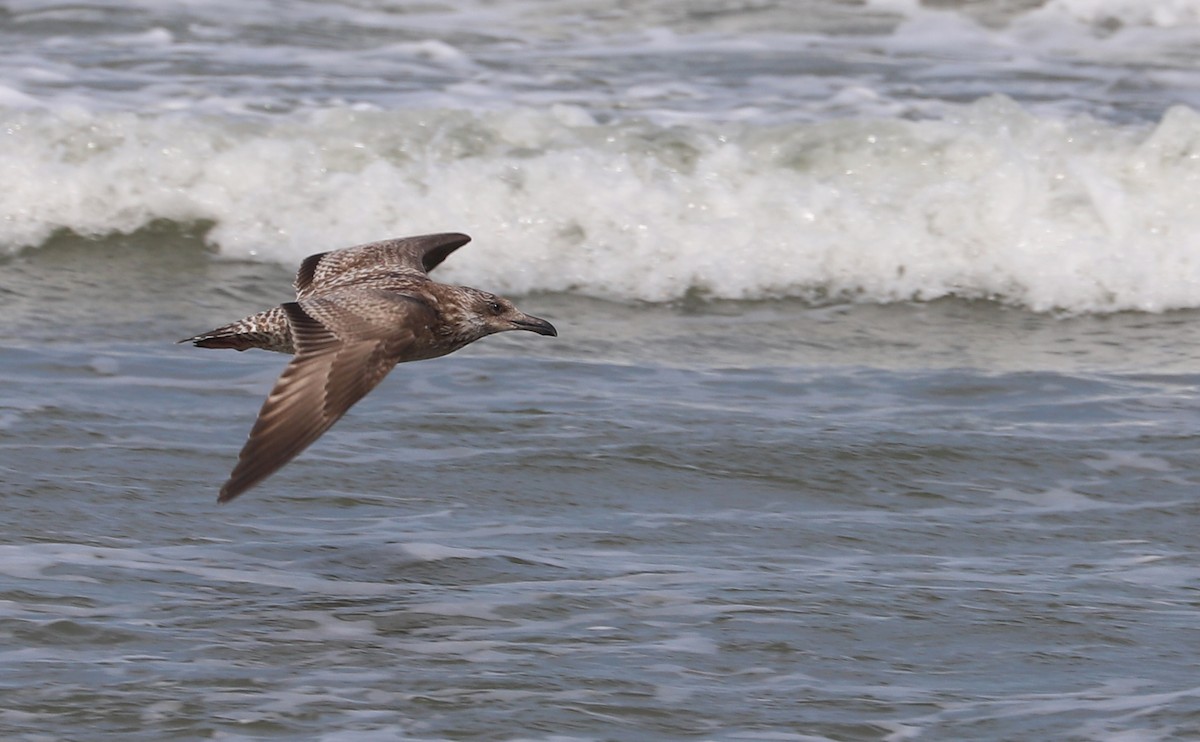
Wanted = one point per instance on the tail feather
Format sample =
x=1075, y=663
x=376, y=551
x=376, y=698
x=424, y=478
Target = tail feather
x=224, y=337
x=268, y=330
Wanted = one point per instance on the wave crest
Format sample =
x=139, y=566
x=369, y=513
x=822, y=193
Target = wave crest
x=991, y=202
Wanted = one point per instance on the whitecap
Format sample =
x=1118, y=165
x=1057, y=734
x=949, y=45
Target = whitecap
x=992, y=202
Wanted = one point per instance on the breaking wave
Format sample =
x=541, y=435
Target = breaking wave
x=991, y=202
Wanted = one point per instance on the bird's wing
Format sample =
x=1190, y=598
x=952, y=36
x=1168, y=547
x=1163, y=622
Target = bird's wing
x=325, y=271
x=343, y=350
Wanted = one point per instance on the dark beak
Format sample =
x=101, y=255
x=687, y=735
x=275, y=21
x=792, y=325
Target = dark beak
x=535, y=324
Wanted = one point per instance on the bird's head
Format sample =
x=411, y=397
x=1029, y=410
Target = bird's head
x=491, y=314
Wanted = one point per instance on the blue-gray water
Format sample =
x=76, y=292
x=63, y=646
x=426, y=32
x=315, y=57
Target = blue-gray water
x=873, y=414
x=726, y=521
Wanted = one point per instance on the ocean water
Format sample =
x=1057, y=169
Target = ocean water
x=873, y=414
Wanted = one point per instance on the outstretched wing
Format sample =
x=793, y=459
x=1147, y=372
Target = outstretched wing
x=341, y=354
x=325, y=271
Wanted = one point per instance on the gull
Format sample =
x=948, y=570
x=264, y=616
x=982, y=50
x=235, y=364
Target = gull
x=358, y=312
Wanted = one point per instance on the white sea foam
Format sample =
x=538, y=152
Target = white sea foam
x=992, y=201
x=643, y=153
x=1161, y=13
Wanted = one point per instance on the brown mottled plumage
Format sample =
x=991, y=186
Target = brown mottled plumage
x=358, y=312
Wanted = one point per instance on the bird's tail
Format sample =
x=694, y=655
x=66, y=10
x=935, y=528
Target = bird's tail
x=268, y=330
x=223, y=337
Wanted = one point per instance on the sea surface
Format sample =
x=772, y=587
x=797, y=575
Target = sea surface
x=873, y=416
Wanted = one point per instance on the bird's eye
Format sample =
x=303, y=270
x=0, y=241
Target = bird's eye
x=495, y=307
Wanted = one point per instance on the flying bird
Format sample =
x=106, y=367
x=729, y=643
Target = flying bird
x=358, y=312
